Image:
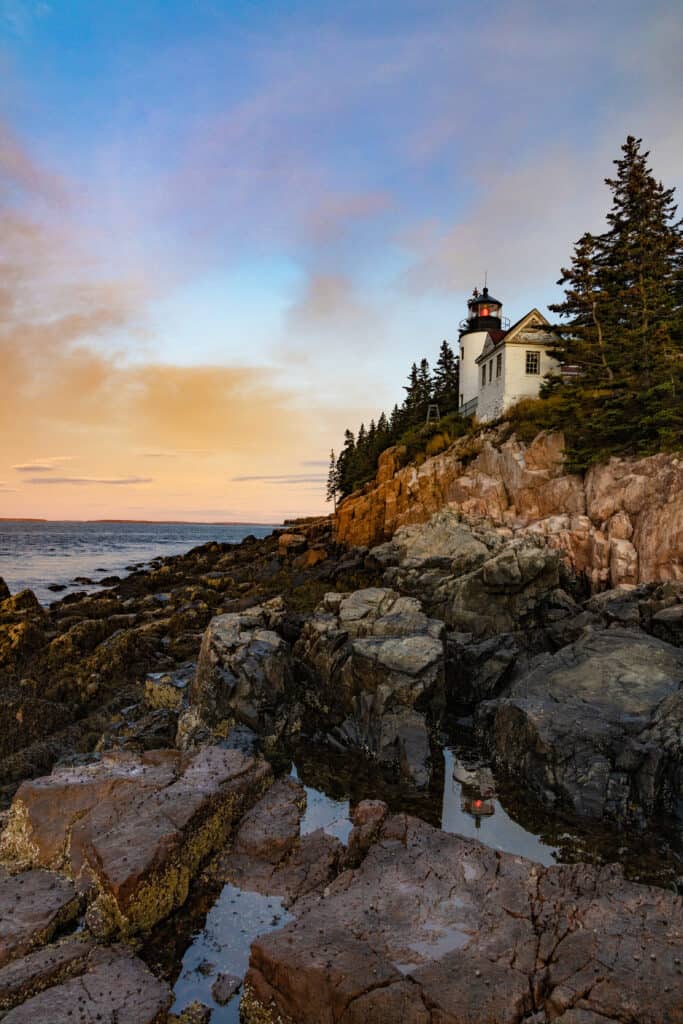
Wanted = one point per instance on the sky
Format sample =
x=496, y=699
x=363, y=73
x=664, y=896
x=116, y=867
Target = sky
x=228, y=227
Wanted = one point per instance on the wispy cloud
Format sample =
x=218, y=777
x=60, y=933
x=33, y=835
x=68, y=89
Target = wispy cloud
x=294, y=479
x=43, y=465
x=87, y=481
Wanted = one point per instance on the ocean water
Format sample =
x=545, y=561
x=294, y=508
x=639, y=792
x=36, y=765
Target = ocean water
x=37, y=555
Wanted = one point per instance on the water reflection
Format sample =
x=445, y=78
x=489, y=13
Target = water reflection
x=470, y=809
x=322, y=811
x=222, y=947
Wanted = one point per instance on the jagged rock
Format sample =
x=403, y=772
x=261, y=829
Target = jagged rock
x=471, y=577
x=244, y=671
x=622, y=523
x=4, y=590
x=477, y=670
x=269, y=855
x=597, y=726
x=33, y=905
x=377, y=664
x=433, y=927
x=112, y=985
x=133, y=830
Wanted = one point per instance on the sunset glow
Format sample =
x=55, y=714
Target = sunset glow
x=226, y=230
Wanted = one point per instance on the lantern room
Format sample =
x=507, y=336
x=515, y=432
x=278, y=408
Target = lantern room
x=483, y=312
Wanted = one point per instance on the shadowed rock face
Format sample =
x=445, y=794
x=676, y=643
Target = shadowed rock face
x=597, y=726
x=435, y=929
x=470, y=577
x=378, y=666
x=133, y=831
x=244, y=672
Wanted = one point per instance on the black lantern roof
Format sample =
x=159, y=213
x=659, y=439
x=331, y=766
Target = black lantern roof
x=483, y=299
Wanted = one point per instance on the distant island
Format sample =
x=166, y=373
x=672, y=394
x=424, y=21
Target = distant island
x=177, y=522
x=21, y=519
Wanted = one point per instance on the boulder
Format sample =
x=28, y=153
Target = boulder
x=4, y=590
x=291, y=544
x=133, y=830
x=377, y=669
x=244, y=672
x=110, y=985
x=472, y=577
x=596, y=727
x=433, y=927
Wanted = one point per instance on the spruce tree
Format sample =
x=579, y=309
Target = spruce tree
x=622, y=323
x=332, y=481
x=446, y=379
x=424, y=384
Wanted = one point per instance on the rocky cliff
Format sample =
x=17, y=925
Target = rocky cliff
x=622, y=523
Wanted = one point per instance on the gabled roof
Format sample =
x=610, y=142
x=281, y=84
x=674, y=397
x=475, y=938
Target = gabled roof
x=496, y=340
x=534, y=318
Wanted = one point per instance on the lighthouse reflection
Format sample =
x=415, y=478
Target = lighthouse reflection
x=470, y=808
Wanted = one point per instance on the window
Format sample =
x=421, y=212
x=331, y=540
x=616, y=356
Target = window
x=499, y=364
x=483, y=375
x=462, y=399
x=462, y=353
x=533, y=362
x=490, y=370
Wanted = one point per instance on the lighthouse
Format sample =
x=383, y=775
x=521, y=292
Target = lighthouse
x=484, y=319
x=499, y=364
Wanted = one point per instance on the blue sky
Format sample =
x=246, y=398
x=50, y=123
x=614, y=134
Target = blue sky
x=303, y=191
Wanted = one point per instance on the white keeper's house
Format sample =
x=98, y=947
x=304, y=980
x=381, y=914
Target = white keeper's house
x=499, y=363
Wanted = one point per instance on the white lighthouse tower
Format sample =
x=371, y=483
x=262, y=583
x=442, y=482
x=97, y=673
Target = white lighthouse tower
x=484, y=317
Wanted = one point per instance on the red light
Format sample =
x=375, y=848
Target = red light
x=485, y=311
x=477, y=803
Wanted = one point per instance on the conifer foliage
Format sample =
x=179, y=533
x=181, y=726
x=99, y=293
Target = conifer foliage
x=622, y=324
x=357, y=461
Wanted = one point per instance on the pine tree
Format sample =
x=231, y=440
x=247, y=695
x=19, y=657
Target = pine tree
x=624, y=323
x=332, y=481
x=424, y=383
x=583, y=339
x=446, y=379
x=643, y=259
x=412, y=390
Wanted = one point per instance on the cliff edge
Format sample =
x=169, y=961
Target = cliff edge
x=621, y=523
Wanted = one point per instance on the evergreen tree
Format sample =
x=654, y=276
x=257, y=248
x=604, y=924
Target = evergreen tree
x=584, y=339
x=424, y=384
x=446, y=379
x=332, y=481
x=623, y=323
x=412, y=390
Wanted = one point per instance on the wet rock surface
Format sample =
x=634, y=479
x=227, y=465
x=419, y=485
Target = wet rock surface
x=432, y=927
x=269, y=855
x=598, y=725
x=160, y=824
x=132, y=831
